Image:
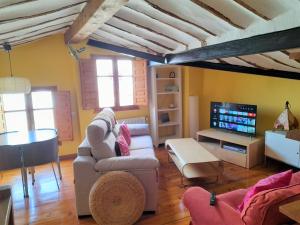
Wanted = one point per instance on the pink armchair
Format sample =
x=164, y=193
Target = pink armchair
x=262, y=209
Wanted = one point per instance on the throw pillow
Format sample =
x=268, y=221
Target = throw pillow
x=123, y=146
x=274, y=181
x=126, y=133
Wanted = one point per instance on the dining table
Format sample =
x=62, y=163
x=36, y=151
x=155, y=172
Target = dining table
x=29, y=143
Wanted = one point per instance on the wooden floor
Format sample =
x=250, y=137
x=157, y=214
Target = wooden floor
x=47, y=205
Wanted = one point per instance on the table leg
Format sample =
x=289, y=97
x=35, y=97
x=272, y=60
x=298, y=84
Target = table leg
x=24, y=171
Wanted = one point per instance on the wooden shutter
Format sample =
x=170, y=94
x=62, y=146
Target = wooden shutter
x=88, y=82
x=2, y=118
x=63, y=115
x=140, y=82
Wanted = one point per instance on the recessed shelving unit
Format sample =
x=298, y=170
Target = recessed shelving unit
x=166, y=103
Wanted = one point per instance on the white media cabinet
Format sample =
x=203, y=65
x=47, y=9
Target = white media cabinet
x=281, y=148
x=214, y=140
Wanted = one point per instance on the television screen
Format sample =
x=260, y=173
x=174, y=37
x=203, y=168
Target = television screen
x=239, y=118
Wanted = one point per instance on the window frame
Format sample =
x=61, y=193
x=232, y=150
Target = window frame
x=116, y=76
x=29, y=107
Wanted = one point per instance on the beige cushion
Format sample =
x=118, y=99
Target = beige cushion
x=138, y=129
x=139, y=142
x=102, y=142
x=138, y=159
x=110, y=113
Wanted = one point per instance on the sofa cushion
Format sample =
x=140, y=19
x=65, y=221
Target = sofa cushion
x=274, y=181
x=295, y=178
x=125, y=132
x=104, y=148
x=138, y=129
x=110, y=113
x=123, y=146
x=96, y=132
x=142, y=159
x=139, y=142
x=263, y=208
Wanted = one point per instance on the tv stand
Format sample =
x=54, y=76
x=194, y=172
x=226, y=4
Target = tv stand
x=233, y=148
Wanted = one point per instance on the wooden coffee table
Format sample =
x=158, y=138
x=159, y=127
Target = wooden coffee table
x=193, y=160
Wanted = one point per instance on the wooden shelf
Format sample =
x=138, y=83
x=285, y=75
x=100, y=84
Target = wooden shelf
x=163, y=139
x=167, y=109
x=167, y=78
x=168, y=124
x=213, y=141
x=167, y=93
x=161, y=98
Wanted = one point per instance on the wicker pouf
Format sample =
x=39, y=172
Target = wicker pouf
x=117, y=198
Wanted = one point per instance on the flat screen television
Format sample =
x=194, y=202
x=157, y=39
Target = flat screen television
x=239, y=118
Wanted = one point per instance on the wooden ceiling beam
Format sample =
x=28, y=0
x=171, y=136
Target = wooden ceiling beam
x=42, y=14
x=180, y=18
x=93, y=16
x=14, y=3
x=286, y=39
x=169, y=24
x=151, y=30
x=244, y=69
x=279, y=62
x=294, y=55
x=251, y=9
x=134, y=42
x=42, y=23
x=151, y=41
x=115, y=48
x=217, y=13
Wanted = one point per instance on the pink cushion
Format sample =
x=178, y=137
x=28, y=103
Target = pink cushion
x=274, y=181
x=263, y=208
x=295, y=178
x=125, y=132
x=124, y=149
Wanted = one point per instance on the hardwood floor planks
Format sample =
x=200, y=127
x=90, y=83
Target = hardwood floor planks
x=48, y=206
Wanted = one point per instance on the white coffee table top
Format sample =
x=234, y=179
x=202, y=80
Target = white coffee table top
x=189, y=151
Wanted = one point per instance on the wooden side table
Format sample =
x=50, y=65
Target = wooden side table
x=291, y=210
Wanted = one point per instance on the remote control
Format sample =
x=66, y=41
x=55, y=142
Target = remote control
x=212, y=198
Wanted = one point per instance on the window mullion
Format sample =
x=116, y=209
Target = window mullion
x=116, y=82
x=29, y=111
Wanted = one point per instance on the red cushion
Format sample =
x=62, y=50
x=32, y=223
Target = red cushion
x=124, y=149
x=263, y=208
x=274, y=181
x=295, y=178
x=126, y=133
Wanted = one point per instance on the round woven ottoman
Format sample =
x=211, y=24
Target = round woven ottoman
x=117, y=198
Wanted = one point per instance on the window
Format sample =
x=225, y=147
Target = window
x=43, y=109
x=15, y=114
x=115, y=82
x=24, y=112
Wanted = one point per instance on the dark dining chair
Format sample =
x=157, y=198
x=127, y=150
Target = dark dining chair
x=40, y=153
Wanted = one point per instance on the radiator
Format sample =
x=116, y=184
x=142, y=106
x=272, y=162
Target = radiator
x=132, y=120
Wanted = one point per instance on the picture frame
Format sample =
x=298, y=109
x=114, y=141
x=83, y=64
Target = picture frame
x=172, y=75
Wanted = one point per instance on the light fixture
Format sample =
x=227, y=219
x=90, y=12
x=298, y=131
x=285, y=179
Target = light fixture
x=11, y=84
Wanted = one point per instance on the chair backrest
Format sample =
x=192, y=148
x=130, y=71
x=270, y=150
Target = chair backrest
x=40, y=152
x=10, y=157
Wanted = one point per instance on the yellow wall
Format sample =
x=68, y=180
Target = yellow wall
x=46, y=62
x=268, y=93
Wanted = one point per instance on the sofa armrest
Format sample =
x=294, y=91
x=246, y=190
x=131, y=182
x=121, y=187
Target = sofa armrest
x=196, y=200
x=83, y=165
x=126, y=163
x=84, y=149
x=139, y=129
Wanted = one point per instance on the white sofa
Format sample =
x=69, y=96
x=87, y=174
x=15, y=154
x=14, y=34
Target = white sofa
x=96, y=156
